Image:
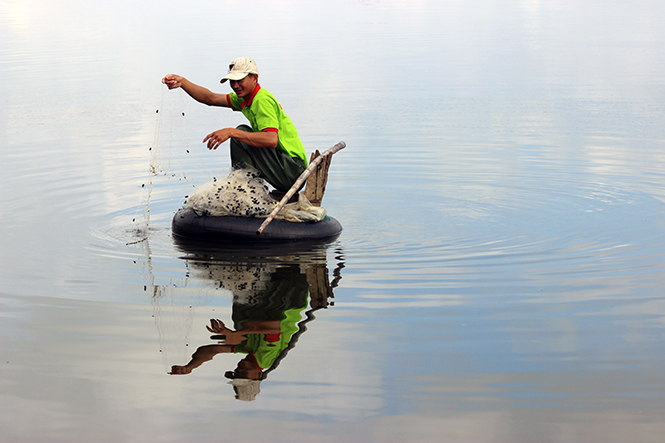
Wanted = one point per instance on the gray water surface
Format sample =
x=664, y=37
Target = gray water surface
x=500, y=273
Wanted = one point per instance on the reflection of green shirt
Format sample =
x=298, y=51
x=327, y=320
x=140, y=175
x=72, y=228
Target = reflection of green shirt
x=283, y=299
x=265, y=113
x=267, y=347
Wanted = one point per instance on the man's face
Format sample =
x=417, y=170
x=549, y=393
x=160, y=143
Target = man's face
x=244, y=88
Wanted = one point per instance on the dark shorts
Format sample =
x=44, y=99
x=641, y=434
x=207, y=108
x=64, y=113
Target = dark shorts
x=275, y=166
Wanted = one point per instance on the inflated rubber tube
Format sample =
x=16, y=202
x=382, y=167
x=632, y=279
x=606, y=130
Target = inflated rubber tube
x=186, y=223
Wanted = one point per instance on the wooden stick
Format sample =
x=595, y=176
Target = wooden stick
x=311, y=188
x=316, y=183
x=306, y=173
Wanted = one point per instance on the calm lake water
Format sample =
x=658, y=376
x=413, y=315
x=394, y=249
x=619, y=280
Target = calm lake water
x=500, y=275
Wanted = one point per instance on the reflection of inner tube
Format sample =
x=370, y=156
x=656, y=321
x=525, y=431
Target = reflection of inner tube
x=186, y=223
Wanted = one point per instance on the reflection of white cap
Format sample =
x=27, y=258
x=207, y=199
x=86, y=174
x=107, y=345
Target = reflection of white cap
x=246, y=389
x=239, y=68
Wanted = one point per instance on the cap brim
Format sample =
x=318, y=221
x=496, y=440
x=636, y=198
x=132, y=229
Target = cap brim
x=234, y=76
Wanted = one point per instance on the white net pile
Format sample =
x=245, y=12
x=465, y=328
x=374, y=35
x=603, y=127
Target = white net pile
x=243, y=193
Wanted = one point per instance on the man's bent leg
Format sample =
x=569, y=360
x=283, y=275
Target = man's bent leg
x=240, y=156
x=275, y=166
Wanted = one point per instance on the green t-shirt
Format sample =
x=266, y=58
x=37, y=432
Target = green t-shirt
x=265, y=113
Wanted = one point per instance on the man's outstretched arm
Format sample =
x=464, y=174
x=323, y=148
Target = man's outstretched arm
x=198, y=93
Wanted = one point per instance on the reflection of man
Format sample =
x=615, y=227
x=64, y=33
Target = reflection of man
x=265, y=326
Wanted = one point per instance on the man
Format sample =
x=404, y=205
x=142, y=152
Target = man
x=271, y=145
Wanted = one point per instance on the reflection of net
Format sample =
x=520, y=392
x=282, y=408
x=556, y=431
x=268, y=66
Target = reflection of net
x=243, y=193
x=244, y=280
x=174, y=323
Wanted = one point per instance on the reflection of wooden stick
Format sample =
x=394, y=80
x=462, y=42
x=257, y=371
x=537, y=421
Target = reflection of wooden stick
x=306, y=173
x=319, y=286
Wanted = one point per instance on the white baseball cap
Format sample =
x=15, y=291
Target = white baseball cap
x=239, y=68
